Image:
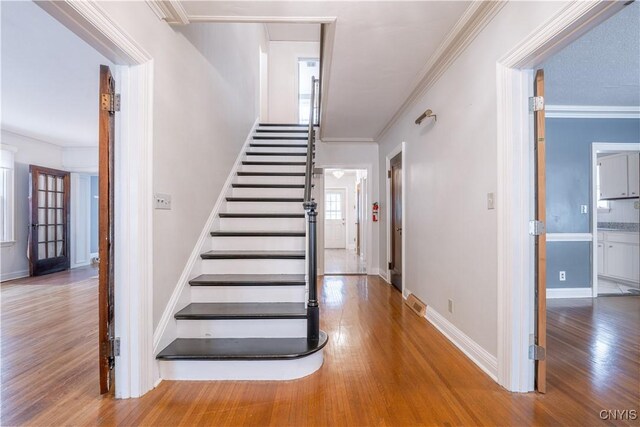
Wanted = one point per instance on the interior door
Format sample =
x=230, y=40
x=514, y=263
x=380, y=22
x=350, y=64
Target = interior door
x=105, y=227
x=49, y=232
x=358, y=215
x=540, y=239
x=396, y=222
x=335, y=232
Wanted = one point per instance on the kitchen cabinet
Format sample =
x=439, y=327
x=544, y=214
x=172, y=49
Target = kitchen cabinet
x=619, y=256
x=614, y=179
x=633, y=172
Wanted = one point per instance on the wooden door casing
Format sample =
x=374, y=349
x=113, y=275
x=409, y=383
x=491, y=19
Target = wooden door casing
x=396, y=222
x=540, y=239
x=105, y=232
x=49, y=234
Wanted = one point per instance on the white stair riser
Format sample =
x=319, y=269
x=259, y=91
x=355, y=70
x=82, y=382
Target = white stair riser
x=268, y=192
x=278, y=158
x=258, y=243
x=249, y=370
x=272, y=128
x=292, y=149
x=245, y=328
x=273, y=168
x=265, y=207
x=262, y=224
x=253, y=266
x=299, y=134
x=248, y=293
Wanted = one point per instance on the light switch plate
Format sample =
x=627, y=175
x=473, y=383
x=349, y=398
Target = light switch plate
x=584, y=209
x=162, y=201
x=563, y=276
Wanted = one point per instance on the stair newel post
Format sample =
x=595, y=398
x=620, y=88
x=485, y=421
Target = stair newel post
x=313, y=313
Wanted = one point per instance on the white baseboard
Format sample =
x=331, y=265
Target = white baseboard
x=14, y=275
x=382, y=273
x=167, y=328
x=478, y=355
x=569, y=293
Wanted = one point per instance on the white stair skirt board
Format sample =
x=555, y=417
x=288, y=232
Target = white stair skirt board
x=245, y=328
x=265, y=207
x=248, y=293
x=254, y=266
x=267, y=192
x=242, y=370
x=259, y=224
x=478, y=355
x=258, y=243
x=553, y=293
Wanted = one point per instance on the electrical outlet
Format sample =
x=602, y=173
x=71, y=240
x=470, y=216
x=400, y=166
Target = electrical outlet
x=162, y=201
x=584, y=209
x=491, y=201
x=451, y=306
x=563, y=276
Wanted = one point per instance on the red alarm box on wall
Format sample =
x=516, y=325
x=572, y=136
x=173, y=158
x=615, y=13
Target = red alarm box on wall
x=374, y=211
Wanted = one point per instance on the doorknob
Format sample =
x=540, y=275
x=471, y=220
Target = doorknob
x=399, y=229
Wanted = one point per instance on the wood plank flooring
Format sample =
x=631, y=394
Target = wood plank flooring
x=384, y=366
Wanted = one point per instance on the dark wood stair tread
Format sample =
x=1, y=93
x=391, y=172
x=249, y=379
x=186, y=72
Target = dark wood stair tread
x=265, y=199
x=305, y=130
x=279, y=145
x=287, y=138
x=271, y=153
x=244, y=173
x=248, y=280
x=258, y=233
x=261, y=215
x=218, y=254
x=242, y=348
x=291, y=125
x=251, y=163
x=241, y=185
x=234, y=310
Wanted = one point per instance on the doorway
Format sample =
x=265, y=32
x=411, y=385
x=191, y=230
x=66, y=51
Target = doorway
x=395, y=263
x=344, y=221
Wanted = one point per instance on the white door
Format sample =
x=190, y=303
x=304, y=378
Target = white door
x=334, y=218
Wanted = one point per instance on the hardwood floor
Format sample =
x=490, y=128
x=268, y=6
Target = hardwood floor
x=343, y=261
x=384, y=366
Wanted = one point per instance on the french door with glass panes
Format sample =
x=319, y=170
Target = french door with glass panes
x=49, y=236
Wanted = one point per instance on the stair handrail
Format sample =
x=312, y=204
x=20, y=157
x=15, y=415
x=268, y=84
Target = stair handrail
x=310, y=207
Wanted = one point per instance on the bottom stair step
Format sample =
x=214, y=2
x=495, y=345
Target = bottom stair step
x=241, y=348
x=276, y=310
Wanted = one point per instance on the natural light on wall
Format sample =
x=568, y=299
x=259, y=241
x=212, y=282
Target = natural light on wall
x=6, y=193
x=307, y=67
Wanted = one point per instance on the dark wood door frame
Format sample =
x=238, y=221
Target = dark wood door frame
x=105, y=228
x=395, y=231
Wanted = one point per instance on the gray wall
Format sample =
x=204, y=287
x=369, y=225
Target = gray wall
x=569, y=186
x=93, y=247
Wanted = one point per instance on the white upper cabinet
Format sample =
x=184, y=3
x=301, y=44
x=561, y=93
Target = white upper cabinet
x=633, y=167
x=619, y=176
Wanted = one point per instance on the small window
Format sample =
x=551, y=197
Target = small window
x=306, y=69
x=333, y=209
x=6, y=194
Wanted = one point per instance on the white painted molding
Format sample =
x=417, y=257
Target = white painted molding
x=472, y=22
x=554, y=293
x=7, y=147
x=263, y=19
x=166, y=330
x=478, y=355
x=591, y=112
x=569, y=237
x=14, y=275
x=170, y=11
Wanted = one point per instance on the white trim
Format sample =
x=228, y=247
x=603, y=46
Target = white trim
x=8, y=147
x=170, y=11
x=14, y=275
x=133, y=192
x=167, y=330
x=474, y=351
x=515, y=254
x=263, y=19
x=382, y=273
x=600, y=147
x=591, y=112
x=569, y=237
x=474, y=19
x=400, y=148
x=555, y=293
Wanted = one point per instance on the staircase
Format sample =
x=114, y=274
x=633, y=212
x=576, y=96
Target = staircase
x=248, y=317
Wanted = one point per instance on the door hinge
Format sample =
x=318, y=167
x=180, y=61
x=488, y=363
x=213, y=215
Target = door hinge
x=536, y=228
x=388, y=174
x=537, y=352
x=110, y=103
x=536, y=103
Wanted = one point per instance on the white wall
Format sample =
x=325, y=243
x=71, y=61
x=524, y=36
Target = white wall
x=348, y=183
x=205, y=102
x=40, y=153
x=450, y=166
x=283, y=77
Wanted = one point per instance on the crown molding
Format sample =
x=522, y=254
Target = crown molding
x=472, y=22
x=591, y=112
x=170, y=11
x=263, y=19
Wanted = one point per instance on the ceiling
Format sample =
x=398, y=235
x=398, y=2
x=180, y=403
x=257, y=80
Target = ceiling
x=600, y=68
x=50, y=78
x=293, y=32
x=380, y=50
